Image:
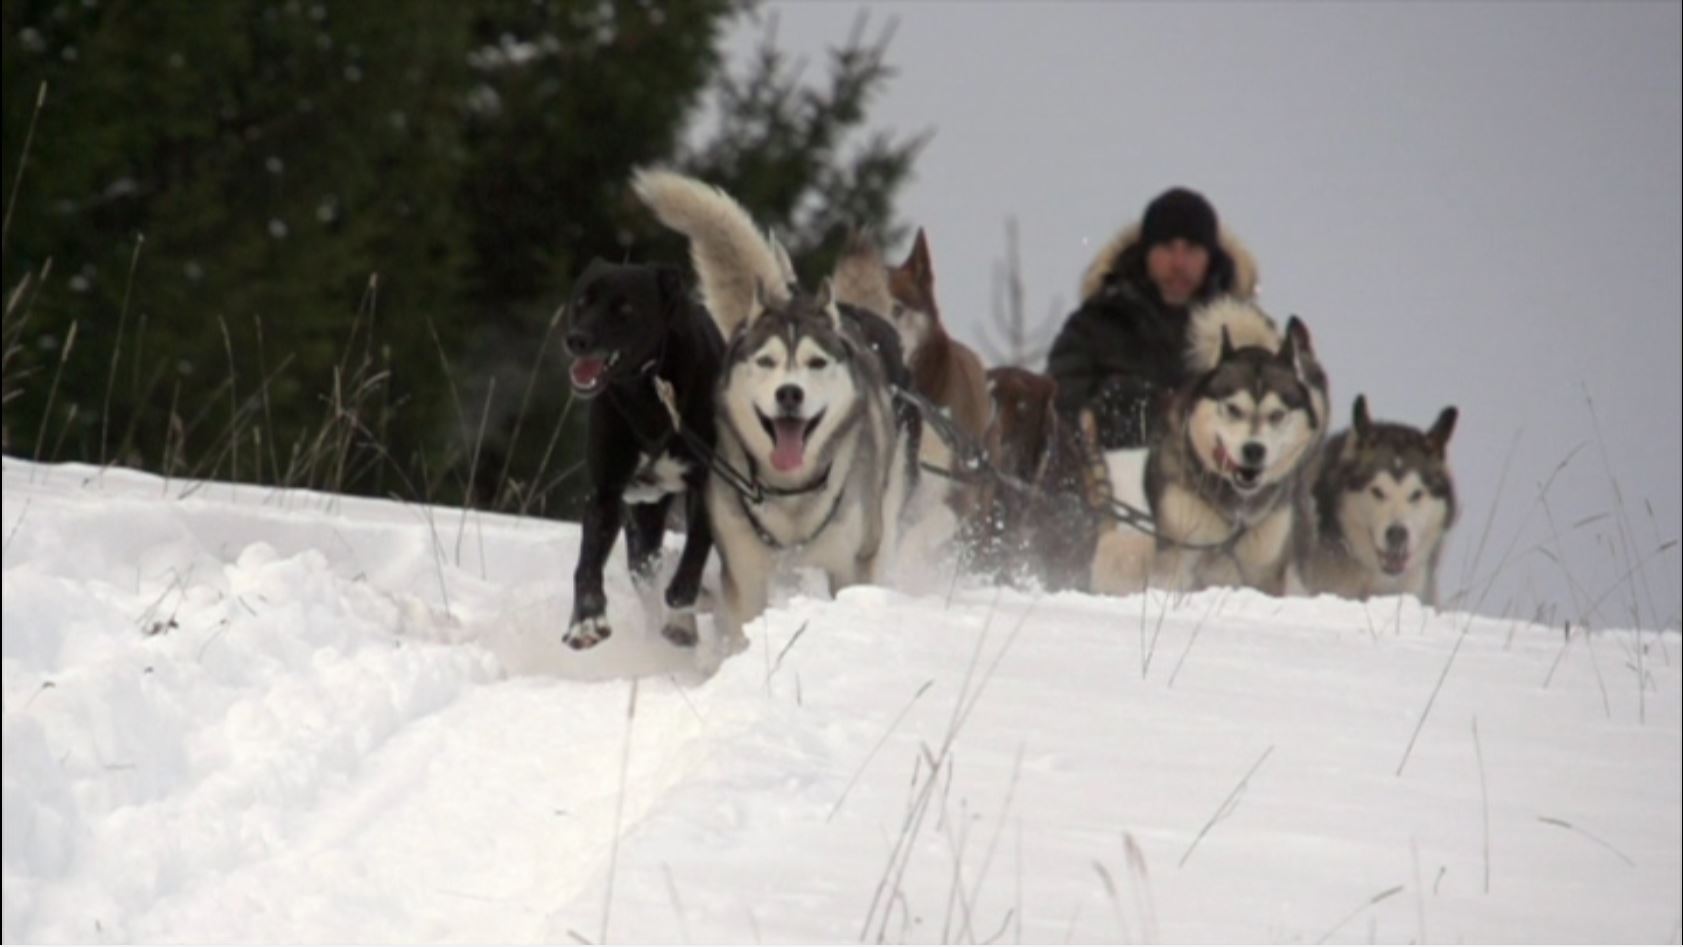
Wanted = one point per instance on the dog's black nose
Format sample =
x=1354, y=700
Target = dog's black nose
x=789, y=397
x=1253, y=453
x=578, y=343
x=1396, y=536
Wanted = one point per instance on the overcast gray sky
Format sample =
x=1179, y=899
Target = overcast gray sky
x=1470, y=204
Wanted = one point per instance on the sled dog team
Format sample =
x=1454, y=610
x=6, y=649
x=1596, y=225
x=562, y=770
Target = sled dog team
x=796, y=424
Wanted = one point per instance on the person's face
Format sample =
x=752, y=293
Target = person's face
x=1178, y=269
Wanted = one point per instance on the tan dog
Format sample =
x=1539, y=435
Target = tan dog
x=944, y=370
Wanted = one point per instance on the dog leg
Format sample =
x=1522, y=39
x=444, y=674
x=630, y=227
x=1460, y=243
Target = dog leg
x=589, y=625
x=1264, y=551
x=1122, y=561
x=1174, y=569
x=686, y=582
x=645, y=528
x=1217, y=570
x=744, y=576
x=858, y=572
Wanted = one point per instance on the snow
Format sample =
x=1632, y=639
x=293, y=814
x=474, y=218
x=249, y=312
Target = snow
x=237, y=714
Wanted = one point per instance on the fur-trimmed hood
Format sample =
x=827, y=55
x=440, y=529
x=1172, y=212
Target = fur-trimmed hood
x=1243, y=323
x=1245, y=274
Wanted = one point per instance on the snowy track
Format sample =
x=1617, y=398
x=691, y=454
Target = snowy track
x=247, y=716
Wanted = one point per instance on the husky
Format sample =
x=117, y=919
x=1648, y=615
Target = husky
x=629, y=328
x=805, y=410
x=1381, y=505
x=1224, y=481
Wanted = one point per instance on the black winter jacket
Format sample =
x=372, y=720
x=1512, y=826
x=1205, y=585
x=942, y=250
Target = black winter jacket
x=1123, y=352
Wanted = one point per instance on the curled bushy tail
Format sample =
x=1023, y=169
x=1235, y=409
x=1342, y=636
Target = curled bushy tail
x=729, y=253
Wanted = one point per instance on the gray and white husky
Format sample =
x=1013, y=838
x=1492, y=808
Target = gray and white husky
x=805, y=410
x=1225, y=479
x=1382, y=504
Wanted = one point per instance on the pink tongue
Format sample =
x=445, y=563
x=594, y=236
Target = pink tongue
x=1224, y=460
x=586, y=371
x=790, y=449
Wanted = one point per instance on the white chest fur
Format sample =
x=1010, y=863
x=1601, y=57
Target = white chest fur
x=655, y=478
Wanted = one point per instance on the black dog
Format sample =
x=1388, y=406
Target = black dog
x=629, y=326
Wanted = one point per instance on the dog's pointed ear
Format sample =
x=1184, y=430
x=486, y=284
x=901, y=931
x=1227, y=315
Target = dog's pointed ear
x=1438, y=436
x=1226, y=345
x=1360, y=420
x=920, y=264
x=1287, y=355
x=1309, y=370
x=1298, y=332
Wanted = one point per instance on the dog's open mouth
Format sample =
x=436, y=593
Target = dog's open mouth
x=1243, y=477
x=1393, y=561
x=788, y=439
x=590, y=372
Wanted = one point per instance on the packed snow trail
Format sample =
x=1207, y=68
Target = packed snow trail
x=249, y=715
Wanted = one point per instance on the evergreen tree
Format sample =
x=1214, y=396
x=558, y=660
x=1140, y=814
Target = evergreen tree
x=276, y=154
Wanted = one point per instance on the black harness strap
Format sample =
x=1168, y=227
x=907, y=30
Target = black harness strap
x=977, y=469
x=746, y=485
x=973, y=463
x=775, y=543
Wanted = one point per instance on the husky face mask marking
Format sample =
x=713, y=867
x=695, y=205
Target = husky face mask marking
x=1391, y=518
x=1397, y=501
x=792, y=384
x=1252, y=418
x=796, y=388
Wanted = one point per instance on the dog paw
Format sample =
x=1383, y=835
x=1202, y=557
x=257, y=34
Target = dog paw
x=680, y=630
x=587, y=633
x=645, y=573
x=733, y=643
